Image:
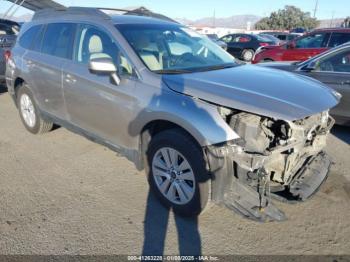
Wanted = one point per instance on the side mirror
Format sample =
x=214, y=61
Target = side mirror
x=104, y=65
x=311, y=66
x=291, y=45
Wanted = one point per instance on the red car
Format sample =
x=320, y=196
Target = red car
x=304, y=47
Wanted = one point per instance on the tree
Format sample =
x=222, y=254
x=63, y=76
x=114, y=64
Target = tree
x=286, y=19
x=346, y=22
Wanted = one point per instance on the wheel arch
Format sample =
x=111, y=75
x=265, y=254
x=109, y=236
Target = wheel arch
x=154, y=127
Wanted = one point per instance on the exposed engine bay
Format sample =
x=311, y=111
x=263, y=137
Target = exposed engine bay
x=273, y=158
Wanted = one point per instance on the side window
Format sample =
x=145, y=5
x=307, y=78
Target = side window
x=338, y=62
x=27, y=38
x=227, y=38
x=58, y=40
x=244, y=39
x=338, y=39
x=312, y=41
x=92, y=43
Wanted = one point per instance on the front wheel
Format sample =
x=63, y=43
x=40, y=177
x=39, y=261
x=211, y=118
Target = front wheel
x=177, y=172
x=29, y=112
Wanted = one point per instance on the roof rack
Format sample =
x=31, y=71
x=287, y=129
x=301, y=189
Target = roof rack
x=97, y=12
x=50, y=12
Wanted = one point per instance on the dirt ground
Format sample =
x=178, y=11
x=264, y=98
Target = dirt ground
x=62, y=194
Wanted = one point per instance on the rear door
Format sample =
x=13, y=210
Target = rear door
x=334, y=71
x=306, y=47
x=44, y=63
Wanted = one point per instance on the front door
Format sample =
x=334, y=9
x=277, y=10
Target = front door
x=334, y=71
x=95, y=102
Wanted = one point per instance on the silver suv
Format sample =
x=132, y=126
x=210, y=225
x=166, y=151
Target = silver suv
x=202, y=125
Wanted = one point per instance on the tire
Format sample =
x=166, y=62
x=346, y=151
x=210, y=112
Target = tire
x=247, y=55
x=29, y=112
x=190, y=190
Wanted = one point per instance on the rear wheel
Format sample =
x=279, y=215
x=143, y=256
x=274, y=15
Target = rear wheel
x=29, y=112
x=177, y=172
x=248, y=55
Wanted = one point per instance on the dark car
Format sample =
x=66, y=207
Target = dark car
x=216, y=40
x=333, y=69
x=8, y=31
x=304, y=47
x=243, y=46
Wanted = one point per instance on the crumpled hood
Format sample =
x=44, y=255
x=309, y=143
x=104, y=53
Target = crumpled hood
x=263, y=91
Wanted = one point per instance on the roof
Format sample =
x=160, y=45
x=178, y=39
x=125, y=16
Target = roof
x=119, y=16
x=36, y=5
x=335, y=29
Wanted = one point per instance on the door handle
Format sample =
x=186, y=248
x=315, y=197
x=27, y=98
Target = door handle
x=346, y=82
x=70, y=79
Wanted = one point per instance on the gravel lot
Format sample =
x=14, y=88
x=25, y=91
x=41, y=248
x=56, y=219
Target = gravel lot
x=62, y=194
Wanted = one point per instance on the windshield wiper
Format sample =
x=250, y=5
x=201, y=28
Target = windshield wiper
x=173, y=71
x=215, y=67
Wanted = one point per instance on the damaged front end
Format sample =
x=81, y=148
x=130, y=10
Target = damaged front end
x=272, y=159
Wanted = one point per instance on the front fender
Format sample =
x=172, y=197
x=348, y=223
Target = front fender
x=201, y=119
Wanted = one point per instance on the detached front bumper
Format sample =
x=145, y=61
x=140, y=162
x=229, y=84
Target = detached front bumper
x=254, y=201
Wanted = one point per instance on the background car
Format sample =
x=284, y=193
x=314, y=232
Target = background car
x=8, y=32
x=304, y=47
x=283, y=36
x=331, y=68
x=216, y=39
x=243, y=46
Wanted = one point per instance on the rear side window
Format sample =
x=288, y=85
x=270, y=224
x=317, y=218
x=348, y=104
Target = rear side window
x=338, y=39
x=58, y=40
x=27, y=38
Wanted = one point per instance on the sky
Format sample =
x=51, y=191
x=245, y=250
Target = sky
x=195, y=9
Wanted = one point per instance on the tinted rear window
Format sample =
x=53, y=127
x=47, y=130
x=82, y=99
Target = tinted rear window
x=338, y=39
x=58, y=40
x=27, y=38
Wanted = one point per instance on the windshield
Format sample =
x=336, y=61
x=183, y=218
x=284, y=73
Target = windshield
x=175, y=49
x=213, y=37
x=263, y=38
x=270, y=37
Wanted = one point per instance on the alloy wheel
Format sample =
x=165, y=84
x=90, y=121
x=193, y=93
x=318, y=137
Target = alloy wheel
x=173, y=175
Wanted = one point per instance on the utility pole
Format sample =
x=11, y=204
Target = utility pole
x=332, y=18
x=214, y=18
x=316, y=7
